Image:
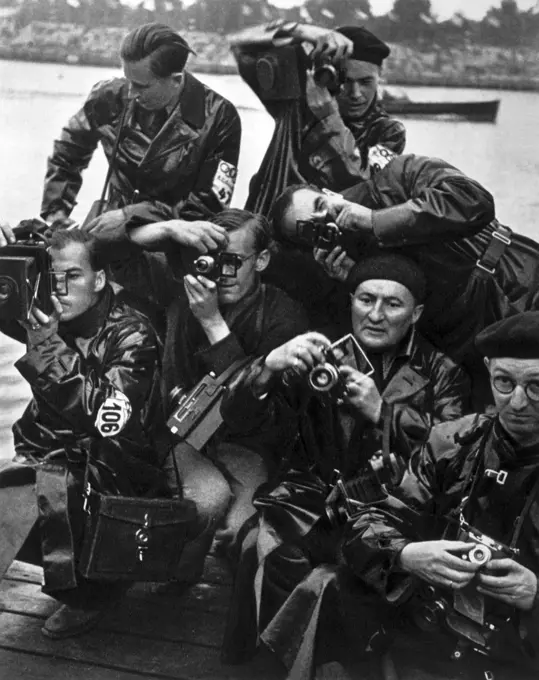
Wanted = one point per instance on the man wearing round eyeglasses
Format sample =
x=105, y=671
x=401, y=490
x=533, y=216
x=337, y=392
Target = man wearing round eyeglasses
x=478, y=477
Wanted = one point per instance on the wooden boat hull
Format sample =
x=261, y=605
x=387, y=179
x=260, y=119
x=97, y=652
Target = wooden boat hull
x=481, y=111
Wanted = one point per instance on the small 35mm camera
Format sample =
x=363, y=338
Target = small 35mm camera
x=319, y=234
x=218, y=265
x=325, y=377
x=486, y=548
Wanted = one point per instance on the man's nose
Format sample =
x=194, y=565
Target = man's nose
x=356, y=91
x=519, y=399
x=376, y=313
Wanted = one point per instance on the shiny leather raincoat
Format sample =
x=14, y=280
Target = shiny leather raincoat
x=169, y=176
x=425, y=388
x=444, y=220
x=108, y=350
x=435, y=486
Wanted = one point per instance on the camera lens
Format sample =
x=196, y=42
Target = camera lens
x=204, y=264
x=326, y=76
x=480, y=554
x=323, y=378
x=7, y=288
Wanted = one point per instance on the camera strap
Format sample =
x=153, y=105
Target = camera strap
x=129, y=105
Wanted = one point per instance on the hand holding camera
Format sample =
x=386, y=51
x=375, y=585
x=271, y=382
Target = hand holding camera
x=439, y=563
x=201, y=235
x=319, y=98
x=6, y=235
x=508, y=581
x=336, y=263
x=300, y=354
x=203, y=298
x=362, y=393
x=354, y=217
x=41, y=326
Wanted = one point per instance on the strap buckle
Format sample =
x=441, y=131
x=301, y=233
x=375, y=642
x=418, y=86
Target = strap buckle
x=485, y=269
x=499, y=475
x=501, y=237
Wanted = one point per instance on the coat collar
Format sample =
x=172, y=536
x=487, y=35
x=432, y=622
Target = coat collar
x=193, y=101
x=86, y=325
x=410, y=378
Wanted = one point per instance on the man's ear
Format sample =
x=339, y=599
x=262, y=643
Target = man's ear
x=487, y=361
x=262, y=260
x=100, y=281
x=418, y=310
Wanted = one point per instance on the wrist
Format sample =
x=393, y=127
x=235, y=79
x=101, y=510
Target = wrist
x=263, y=380
x=215, y=327
x=172, y=228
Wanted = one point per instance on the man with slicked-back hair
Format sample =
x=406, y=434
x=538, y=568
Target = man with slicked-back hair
x=178, y=146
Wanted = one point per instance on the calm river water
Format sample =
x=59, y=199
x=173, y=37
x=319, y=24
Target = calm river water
x=36, y=99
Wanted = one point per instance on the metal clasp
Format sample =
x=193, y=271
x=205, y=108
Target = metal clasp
x=501, y=237
x=482, y=266
x=142, y=537
x=87, y=492
x=499, y=475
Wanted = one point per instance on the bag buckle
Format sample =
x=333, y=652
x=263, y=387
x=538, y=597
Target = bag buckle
x=499, y=475
x=142, y=538
x=86, y=503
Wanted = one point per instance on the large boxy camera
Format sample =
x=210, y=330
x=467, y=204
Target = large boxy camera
x=325, y=377
x=217, y=266
x=196, y=414
x=26, y=278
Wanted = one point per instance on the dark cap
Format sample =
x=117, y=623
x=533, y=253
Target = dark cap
x=516, y=337
x=391, y=267
x=367, y=47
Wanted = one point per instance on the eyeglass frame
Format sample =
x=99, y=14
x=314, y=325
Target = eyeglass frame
x=515, y=385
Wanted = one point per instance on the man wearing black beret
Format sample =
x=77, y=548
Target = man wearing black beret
x=388, y=406
x=457, y=544
x=338, y=79
x=348, y=116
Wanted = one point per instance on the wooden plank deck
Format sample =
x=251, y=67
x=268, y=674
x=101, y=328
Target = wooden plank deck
x=144, y=636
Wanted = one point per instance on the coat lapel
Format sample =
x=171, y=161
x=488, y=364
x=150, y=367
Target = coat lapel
x=408, y=381
x=184, y=124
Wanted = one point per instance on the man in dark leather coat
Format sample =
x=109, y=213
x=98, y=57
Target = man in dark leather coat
x=322, y=129
x=478, y=271
x=482, y=472
x=211, y=322
x=179, y=142
x=93, y=354
x=411, y=387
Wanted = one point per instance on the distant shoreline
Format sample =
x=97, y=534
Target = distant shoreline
x=513, y=83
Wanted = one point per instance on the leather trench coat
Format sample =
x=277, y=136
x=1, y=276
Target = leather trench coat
x=431, y=212
x=170, y=176
x=107, y=356
x=433, y=489
x=426, y=388
x=324, y=150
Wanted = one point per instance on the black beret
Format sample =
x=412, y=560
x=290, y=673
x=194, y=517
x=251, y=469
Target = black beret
x=391, y=267
x=367, y=47
x=516, y=337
